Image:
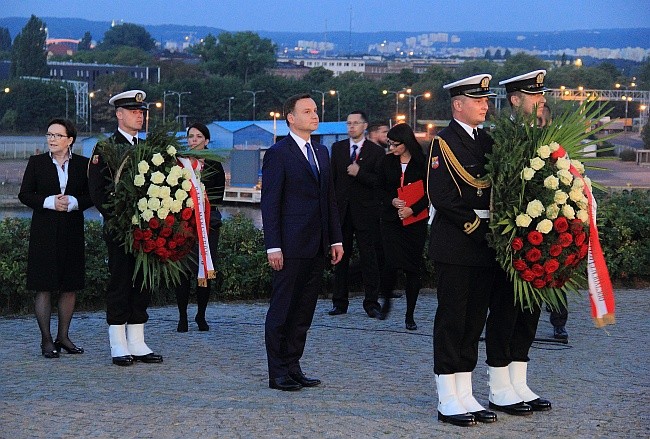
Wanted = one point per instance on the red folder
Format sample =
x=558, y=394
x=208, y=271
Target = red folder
x=411, y=194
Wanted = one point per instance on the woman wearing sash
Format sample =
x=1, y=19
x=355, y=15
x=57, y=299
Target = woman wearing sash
x=208, y=182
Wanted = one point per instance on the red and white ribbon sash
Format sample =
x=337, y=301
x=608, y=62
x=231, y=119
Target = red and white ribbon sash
x=202, y=216
x=601, y=292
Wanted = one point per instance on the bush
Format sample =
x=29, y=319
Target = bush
x=628, y=155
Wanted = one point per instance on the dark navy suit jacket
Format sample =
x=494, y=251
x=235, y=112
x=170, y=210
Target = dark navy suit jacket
x=299, y=211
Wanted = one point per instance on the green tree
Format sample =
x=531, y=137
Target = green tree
x=34, y=103
x=5, y=40
x=28, y=56
x=518, y=65
x=507, y=54
x=9, y=120
x=128, y=34
x=497, y=54
x=488, y=54
x=318, y=76
x=475, y=67
x=243, y=54
x=85, y=42
x=643, y=76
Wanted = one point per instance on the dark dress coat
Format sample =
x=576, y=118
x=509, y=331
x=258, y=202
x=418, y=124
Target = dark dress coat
x=56, y=257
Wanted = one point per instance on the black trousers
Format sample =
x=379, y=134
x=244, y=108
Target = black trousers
x=509, y=331
x=559, y=317
x=125, y=301
x=295, y=292
x=366, y=238
x=463, y=297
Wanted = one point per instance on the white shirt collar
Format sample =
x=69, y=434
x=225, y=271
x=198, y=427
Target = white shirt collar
x=128, y=136
x=299, y=140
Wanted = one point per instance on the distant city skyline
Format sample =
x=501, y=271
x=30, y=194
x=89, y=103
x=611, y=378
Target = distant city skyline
x=356, y=15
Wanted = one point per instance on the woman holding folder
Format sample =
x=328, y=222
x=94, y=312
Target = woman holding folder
x=404, y=216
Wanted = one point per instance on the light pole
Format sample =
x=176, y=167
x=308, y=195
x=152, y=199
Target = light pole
x=396, y=93
x=254, y=93
x=177, y=93
x=425, y=95
x=66, y=100
x=322, y=104
x=275, y=115
x=338, y=103
x=229, y=106
x=146, y=126
x=91, y=95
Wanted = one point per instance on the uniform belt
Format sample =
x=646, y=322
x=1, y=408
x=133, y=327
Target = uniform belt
x=483, y=214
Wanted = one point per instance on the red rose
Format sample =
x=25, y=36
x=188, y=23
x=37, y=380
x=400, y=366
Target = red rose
x=149, y=245
x=559, y=282
x=186, y=213
x=533, y=255
x=147, y=234
x=569, y=260
x=580, y=238
x=584, y=249
x=170, y=220
x=560, y=224
x=519, y=264
x=166, y=232
x=548, y=278
x=535, y=238
x=137, y=245
x=154, y=223
x=565, y=239
x=551, y=266
x=537, y=270
x=137, y=234
x=171, y=244
x=555, y=250
x=517, y=244
x=160, y=242
x=576, y=225
x=539, y=283
x=162, y=253
x=527, y=275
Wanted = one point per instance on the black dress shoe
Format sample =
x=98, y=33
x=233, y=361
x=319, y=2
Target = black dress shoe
x=560, y=333
x=336, y=311
x=304, y=381
x=284, y=383
x=70, y=350
x=539, y=405
x=374, y=313
x=518, y=409
x=182, y=325
x=411, y=326
x=203, y=325
x=149, y=358
x=461, y=420
x=485, y=416
x=49, y=353
x=125, y=360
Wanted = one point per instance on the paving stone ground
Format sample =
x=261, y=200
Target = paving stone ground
x=377, y=379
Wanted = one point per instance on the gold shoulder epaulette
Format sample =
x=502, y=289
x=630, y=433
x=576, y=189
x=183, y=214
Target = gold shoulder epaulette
x=478, y=183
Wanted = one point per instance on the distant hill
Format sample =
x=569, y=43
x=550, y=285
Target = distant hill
x=358, y=42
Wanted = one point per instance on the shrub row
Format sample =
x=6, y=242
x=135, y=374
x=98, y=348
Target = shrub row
x=243, y=272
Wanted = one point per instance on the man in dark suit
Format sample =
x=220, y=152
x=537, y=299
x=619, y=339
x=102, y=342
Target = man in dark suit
x=126, y=302
x=301, y=226
x=355, y=164
x=464, y=263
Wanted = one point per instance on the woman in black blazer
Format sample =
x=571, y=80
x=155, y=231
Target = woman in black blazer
x=403, y=244
x=55, y=186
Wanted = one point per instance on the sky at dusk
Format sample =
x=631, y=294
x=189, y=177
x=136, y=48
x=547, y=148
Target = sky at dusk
x=365, y=15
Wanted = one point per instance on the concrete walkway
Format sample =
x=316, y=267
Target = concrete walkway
x=377, y=379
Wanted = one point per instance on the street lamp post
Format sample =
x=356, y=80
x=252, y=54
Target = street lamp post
x=229, y=106
x=322, y=104
x=177, y=93
x=66, y=100
x=396, y=93
x=275, y=115
x=338, y=103
x=254, y=93
x=425, y=95
x=146, y=126
x=91, y=95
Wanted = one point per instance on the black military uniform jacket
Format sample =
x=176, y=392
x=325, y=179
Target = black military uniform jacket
x=456, y=190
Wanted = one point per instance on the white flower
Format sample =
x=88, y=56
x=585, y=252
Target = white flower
x=186, y=185
x=135, y=220
x=172, y=180
x=583, y=216
x=527, y=173
x=171, y=150
x=142, y=204
x=180, y=194
x=187, y=173
x=588, y=182
x=157, y=177
x=535, y=208
x=583, y=204
x=551, y=182
x=578, y=183
x=189, y=203
x=162, y=213
x=153, y=191
x=576, y=195
x=176, y=171
x=578, y=165
x=562, y=163
x=544, y=226
x=537, y=163
x=143, y=167
x=177, y=206
x=554, y=146
x=568, y=211
x=138, y=180
x=153, y=203
x=157, y=159
x=167, y=202
x=165, y=192
x=523, y=220
x=544, y=151
x=552, y=211
x=147, y=215
x=565, y=177
x=560, y=197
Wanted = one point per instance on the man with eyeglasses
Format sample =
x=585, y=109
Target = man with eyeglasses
x=355, y=164
x=126, y=303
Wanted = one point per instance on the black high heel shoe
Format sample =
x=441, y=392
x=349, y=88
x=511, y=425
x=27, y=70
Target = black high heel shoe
x=70, y=350
x=49, y=353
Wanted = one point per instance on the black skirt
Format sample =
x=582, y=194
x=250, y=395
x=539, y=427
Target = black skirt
x=403, y=245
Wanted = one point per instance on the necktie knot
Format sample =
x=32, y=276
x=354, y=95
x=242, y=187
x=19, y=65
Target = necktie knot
x=475, y=133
